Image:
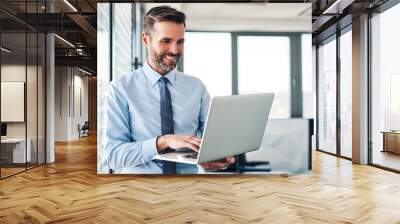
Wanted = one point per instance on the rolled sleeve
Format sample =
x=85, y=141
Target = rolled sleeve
x=149, y=149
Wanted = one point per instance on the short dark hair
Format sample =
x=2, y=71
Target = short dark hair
x=162, y=13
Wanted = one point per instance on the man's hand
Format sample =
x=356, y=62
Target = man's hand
x=192, y=142
x=218, y=165
x=178, y=141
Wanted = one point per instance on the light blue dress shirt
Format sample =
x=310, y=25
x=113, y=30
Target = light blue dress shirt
x=134, y=121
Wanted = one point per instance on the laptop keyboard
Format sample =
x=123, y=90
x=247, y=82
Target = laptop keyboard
x=191, y=156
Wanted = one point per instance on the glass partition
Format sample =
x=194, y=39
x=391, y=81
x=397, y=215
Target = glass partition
x=14, y=153
x=22, y=91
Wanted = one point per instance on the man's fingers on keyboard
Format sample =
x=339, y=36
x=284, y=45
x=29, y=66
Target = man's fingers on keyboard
x=192, y=146
x=195, y=139
x=193, y=142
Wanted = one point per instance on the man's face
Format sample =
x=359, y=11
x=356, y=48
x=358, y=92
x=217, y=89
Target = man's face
x=165, y=45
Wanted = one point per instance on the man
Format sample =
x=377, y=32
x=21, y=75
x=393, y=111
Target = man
x=157, y=108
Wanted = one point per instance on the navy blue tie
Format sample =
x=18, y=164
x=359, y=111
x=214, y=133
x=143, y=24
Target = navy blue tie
x=167, y=121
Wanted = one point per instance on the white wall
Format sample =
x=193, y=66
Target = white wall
x=70, y=83
x=16, y=72
x=33, y=126
x=61, y=103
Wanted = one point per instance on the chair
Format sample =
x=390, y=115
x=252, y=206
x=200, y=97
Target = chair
x=84, y=130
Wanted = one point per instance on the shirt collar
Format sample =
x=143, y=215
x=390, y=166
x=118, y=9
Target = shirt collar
x=154, y=76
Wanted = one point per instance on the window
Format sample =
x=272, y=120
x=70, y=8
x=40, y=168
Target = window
x=308, y=76
x=346, y=94
x=327, y=97
x=122, y=40
x=103, y=77
x=385, y=85
x=394, y=101
x=264, y=66
x=208, y=56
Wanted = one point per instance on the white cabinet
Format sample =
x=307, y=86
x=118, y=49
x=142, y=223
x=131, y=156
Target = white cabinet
x=15, y=148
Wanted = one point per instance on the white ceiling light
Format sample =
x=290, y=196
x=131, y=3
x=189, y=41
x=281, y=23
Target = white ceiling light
x=70, y=5
x=65, y=41
x=5, y=50
x=338, y=6
x=84, y=71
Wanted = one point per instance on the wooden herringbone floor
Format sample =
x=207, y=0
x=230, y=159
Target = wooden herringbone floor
x=70, y=191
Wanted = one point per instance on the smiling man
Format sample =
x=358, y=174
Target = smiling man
x=157, y=109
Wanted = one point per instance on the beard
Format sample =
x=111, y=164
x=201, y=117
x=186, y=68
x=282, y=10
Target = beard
x=166, y=61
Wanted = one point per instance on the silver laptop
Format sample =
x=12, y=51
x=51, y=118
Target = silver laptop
x=235, y=125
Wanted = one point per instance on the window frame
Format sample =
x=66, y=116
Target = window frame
x=296, y=89
x=333, y=37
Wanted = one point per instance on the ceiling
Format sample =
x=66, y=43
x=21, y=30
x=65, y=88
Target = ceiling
x=247, y=10
x=19, y=54
x=267, y=17
x=77, y=24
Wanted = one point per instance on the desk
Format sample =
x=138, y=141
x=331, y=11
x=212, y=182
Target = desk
x=13, y=150
x=391, y=141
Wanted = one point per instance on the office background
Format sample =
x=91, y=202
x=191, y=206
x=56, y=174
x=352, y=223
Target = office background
x=340, y=189
x=248, y=53
x=43, y=98
x=68, y=93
